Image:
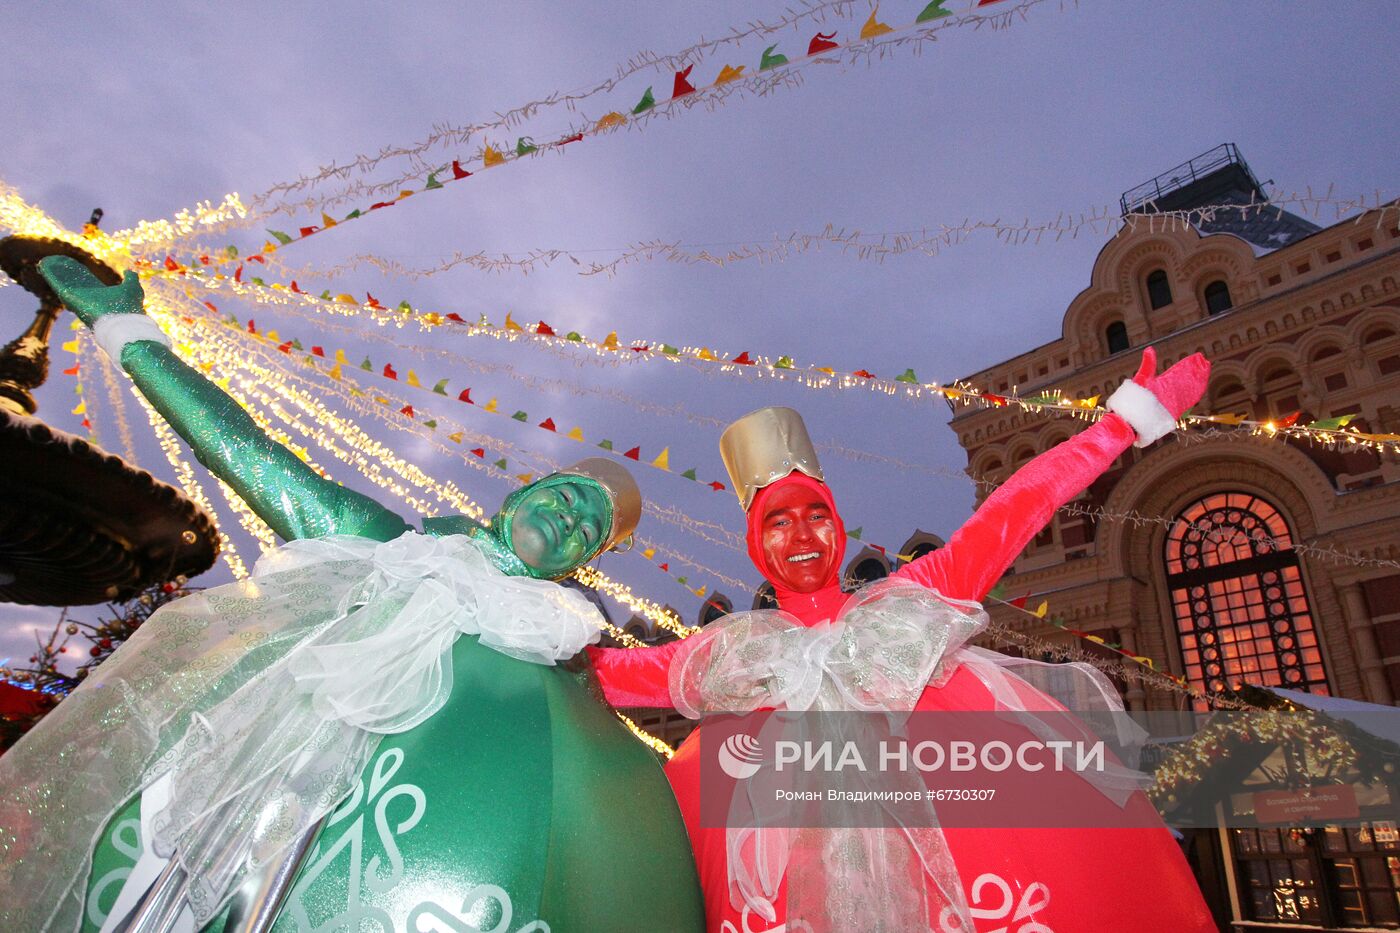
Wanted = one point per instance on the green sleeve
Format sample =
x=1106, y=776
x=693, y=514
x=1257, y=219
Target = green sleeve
x=281, y=489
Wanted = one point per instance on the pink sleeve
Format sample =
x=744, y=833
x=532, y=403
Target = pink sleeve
x=635, y=676
x=979, y=552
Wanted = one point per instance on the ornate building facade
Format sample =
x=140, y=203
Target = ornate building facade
x=1232, y=560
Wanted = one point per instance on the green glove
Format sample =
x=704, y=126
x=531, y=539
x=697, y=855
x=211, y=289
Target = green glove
x=85, y=295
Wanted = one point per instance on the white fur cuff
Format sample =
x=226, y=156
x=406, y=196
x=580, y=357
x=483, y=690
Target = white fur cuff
x=1140, y=408
x=114, y=331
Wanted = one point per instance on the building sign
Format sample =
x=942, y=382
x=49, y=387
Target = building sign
x=1308, y=805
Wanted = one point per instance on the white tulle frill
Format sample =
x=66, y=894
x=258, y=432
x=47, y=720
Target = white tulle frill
x=263, y=700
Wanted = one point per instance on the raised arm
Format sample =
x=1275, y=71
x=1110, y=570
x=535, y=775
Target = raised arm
x=283, y=491
x=635, y=676
x=979, y=552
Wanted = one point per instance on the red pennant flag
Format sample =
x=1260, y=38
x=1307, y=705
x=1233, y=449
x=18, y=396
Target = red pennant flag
x=238, y=273
x=642, y=349
x=204, y=260
x=864, y=374
x=548, y=424
x=743, y=358
x=375, y=207
x=317, y=351
x=1020, y=601
x=454, y=316
x=458, y=171
x=171, y=265
x=466, y=396
x=544, y=330
x=210, y=306
x=87, y=423
x=372, y=301
x=878, y=548
x=307, y=231
x=634, y=454
x=1289, y=421
x=252, y=328
x=389, y=372
x=406, y=410
x=683, y=85
x=73, y=370
x=577, y=137
x=717, y=486
x=997, y=400
x=295, y=288
x=821, y=42
x=257, y=258
x=480, y=452
x=286, y=347
x=665, y=567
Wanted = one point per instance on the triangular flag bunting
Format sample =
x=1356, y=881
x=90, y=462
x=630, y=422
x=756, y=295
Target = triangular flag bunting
x=413, y=379
x=520, y=416
x=576, y=434
x=690, y=473
x=548, y=424
x=491, y=157
x=605, y=444
x=821, y=42
x=281, y=237
x=441, y=387
x=663, y=459
x=873, y=27
x=729, y=73
x=489, y=406
x=682, y=84
x=634, y=454
x=933, y=11
x=771, y=59
x=647, y=102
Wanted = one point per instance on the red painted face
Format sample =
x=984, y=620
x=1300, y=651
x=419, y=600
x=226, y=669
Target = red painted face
x=799, y=539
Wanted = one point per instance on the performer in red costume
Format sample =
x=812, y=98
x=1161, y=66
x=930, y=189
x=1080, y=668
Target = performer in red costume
x=1012, y=880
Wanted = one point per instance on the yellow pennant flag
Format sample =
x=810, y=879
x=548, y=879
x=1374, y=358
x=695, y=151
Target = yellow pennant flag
x=663, y=459
x=511, y=325
x=1144, y=661
x=1042, y=609
x=492, y=157
x=404, y=194
x=649, y=553
x=610, y=342
x=490, y=406
x=1095, y=639
x=274, y=337
x=455, y=437
x=335, y=371
x=729, y=73
x=1089, y=402
x=347, y=299
x=1229, y=419
x=381, y=400
x=576, y=434
x=525, y=477
x=76, y=325
x=826, y=369
x=705, y=354
x=699, y=591
x=71, y=346
x=301, y=453
x=609, y=120
x=224, y=382
x=81, y=409
x=340, y=357
x=413, y=379
x=327, y=221
x=269, y=247
x=874, y=27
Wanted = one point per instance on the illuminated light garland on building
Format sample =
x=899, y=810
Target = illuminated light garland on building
x=647, y=738
x=745, y=365
x=149, y=234
x=595, y=579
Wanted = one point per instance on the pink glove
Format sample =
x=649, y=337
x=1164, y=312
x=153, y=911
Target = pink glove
x=1154, y=413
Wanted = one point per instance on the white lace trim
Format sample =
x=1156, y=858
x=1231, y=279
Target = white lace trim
x=114, y=331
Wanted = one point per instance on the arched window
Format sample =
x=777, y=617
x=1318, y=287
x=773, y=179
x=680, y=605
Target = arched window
x=1159, y=290
x=763, y=597
x=1116, y=336
x=1217, y=297
x=1242, y=614
x=716, y=607
x=866, y=571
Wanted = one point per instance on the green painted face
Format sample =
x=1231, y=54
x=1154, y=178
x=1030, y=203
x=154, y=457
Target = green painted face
x=559, y=525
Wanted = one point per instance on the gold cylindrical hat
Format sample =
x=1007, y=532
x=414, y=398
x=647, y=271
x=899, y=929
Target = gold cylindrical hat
x=621, y=489
x=764, y=446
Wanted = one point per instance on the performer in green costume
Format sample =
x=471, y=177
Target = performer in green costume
x=459, y=783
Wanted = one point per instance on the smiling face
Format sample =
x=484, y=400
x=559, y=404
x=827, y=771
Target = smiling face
x=799, y=539
x=557, y=527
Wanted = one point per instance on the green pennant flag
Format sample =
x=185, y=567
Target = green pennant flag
x=432, y=181
x=296, y=344
x=772, y=59
x=575, y=336
x=257, y=281
x=404, y=307
x=524, y=146
x=646, y=103
x=690, y=474
x=520, y=416
x=1332, y=424
x=1042, y=400
x=853, y=533
x=353, y=214
x=784, y=362
x=500, y=463
x=605, y=444
x=997, y=592
x=682, y=580
x=279, y=236
x=907, y=376
x=325, y=295
x=367, y=366
x=669, y=350
x=231, y=252
x=430, y=423
x=441, y=387
x=933, y=11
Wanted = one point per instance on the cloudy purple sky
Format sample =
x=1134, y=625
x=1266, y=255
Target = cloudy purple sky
x=143, y=109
